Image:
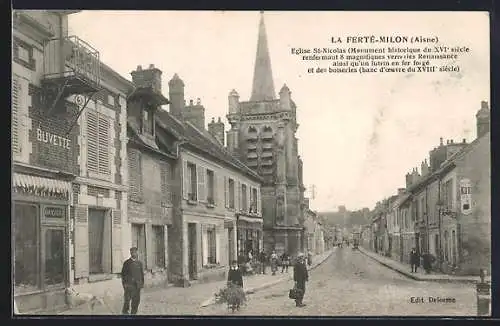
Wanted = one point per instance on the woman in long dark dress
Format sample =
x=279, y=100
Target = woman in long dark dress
x=236, y=294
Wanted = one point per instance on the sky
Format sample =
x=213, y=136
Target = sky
x=359, y=134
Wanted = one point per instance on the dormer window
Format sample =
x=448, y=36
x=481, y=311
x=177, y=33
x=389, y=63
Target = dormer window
x=147, y=122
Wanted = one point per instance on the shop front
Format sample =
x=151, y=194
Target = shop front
x=249, y=235
x=40, y=263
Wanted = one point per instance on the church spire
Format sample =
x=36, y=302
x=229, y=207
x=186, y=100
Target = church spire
x=263, y=85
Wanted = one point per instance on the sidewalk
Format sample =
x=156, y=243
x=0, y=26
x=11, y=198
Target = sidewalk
x=258, y=282
x=420, y=275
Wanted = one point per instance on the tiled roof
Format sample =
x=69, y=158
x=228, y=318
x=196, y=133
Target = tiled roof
x=202, y=141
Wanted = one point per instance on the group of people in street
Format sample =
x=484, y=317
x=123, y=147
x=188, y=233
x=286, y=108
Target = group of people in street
x=300, y=273
x=427, y=261
x=132, y=275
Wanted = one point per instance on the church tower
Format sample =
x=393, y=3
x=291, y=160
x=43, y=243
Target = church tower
x=262, y=135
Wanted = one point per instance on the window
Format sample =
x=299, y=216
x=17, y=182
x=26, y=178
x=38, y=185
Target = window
x=147, y=122
x=192, y=190
x=139, y=241
x=158, y=245
x=244, y=204
x=23, y=54
x=212, y=245
x=231, y=193
x=135, y=175
x=26, y=251
x=254, y=201
x=210, y=187
x=166, y=176
x=111, y=99
x=446, y=246
x=98, y=145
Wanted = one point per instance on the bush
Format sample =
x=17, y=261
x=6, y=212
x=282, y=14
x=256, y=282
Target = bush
x=232, y=293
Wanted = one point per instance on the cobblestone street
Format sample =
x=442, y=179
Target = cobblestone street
x=351, y=284
x=337, y=287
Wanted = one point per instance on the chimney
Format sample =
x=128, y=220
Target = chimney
x=216, y=129
x=176, y=94
x=408, y=180
x=483, y=119
x=464, y=141
x=441, y=141
x=195, y=114
x=150, y=77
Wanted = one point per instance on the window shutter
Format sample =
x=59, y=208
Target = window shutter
x=259, y=201
x=81, y=241
x=226, y=192
x=216, y=190
x=185, y=185
x=116, y=240
x=164, y=182
x=201, y=176
x=15, y=115
x=135, y=173
x=150, y=261
x=217, y=245
x=249, y=193
x=237, y=194
x=92, y=142
x=104, y=126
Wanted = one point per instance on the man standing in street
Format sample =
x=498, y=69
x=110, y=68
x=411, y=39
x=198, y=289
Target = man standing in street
x=300, y=276
x=132, y=281
x=414, y=260
x=263, y=261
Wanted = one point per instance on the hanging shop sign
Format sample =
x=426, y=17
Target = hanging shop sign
x=53, y=139
x=465, y=196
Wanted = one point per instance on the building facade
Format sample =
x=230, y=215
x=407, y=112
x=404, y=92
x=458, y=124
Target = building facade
x=69, y=170
x=217, y=206
x=262, y=135
x=150, y=206
x=446, y=207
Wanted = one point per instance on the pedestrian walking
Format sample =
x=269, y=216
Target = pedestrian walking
x=285, y=262
x=274, y=262
x=300, y=276
x=262, y=261
x=236, y=294
x=309, y=258
x=414, y=260
x=235, y=275
x=133, y=281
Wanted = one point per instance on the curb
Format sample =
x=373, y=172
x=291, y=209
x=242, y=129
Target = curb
x=415, y=277
x=211, y=300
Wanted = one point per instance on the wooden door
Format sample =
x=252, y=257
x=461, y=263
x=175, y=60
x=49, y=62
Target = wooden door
x=192, y=250
x=96, y=240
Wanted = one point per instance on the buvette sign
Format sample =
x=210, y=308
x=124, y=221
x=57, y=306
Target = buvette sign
x=53, y=139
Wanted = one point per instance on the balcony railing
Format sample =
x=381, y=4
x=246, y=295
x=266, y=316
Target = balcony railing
x=71, y=57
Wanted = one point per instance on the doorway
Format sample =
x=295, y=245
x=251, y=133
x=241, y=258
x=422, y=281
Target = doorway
x=230, y=242
x=99, y=242
x=192, y=266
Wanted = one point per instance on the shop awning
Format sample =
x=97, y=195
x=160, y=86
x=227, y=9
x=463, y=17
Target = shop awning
x=251, y=219
x=40, y=184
